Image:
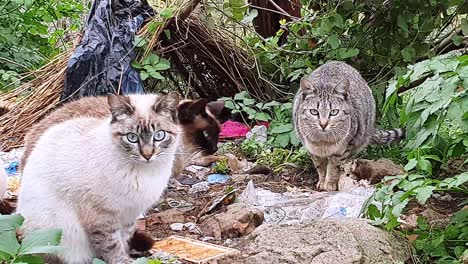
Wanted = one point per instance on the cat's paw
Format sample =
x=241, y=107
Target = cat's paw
x=331, y=186
x=320, y=185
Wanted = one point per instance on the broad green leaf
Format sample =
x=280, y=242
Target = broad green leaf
x=241, y=95
x=8, y=243
x=425, y=165
x=373, y=212
x=408, y=54
x=457, y=40
x=422, y=223
x=282, y=129
x=248, y=101
x=348, y=53
x=144, y=75
x=295, y=141
x=282, y=140
x=167, y=32
x=464, y=26
x=458, y=250
x=401, y=22
x=152, y=59
x=334, y=41
x=262, y=116
x=136, y=65
x=271, y=104
x=229, y=104
x=156, y=261
x=423, y=193
x=41, y=241
x=10, y=222
x=98, y=261
x=397, y=209
x=156, y=75
x=411, y=164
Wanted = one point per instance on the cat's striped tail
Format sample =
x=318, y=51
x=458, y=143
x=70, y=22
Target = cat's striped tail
x=382, y=137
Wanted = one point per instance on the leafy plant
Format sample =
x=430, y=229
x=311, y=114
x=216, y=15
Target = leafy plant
x=445, y=245
x=435, y=112
x=281, y=131
x=151, y=66
x=33, y=243
x=222, y=167
x=394, y=194
x=137, y=261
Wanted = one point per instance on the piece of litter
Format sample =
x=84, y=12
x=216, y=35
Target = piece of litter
x=248, y=196
x=192, y=250
x=218, y=178
x=199, y=187
x=181, y=227
x=185, y=180
x=233, y=129
x=258, y=133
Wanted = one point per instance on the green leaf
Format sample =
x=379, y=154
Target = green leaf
x=411, y=164
x=397, y=209
x=144, y=75
x=422, y=223
x=295, y=141
x=41, y=241
x=457, y=40
x=423, y=193
x=282, y=140
x=408, y=54
x=262, y=116
x=271, y=104
x=333, y=41
x=98, y=261
x=282, y=128
x=156, y=75
x=10, y=222
x=241, y=95
x=167, y=13
x=8, y=243
x=136, y=65
x=459, y=251
x=425, y=165
x=248, y=101
x=152, y=59
x=374, y=212
x=229, y=104
x=348, y=53
x=167, y=32
x=162, y=65
x=28, y=3
x=157, y=261
x=401, y=22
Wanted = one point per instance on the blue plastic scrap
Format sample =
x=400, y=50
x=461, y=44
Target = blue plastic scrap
x=12, y=168
x=218, y=178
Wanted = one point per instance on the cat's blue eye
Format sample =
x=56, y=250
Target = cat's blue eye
x=159, y=135
x=132, y=137
x=205, y=134
x=314, y=112
x=334, y=112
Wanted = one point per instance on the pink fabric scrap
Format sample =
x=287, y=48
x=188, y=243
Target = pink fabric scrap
x=233, y=129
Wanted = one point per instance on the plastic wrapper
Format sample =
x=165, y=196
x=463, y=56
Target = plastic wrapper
x=101, y=62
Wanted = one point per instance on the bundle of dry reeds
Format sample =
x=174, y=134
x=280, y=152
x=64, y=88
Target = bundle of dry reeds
x=38, y=97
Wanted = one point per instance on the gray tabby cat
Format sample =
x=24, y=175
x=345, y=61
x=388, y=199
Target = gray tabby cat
x=92, y=177
x=334, y=116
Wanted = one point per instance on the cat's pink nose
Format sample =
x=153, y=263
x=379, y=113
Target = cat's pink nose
x=323, y=124
x=147, y=153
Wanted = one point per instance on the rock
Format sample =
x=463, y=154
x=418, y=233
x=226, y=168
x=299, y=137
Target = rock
x=328, y=241
x=238, y=220
x=373, y=171
x=169, y=216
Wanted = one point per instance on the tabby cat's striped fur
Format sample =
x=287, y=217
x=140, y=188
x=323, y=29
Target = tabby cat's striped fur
x=334, y=116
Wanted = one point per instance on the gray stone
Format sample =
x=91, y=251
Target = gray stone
x=329, y=241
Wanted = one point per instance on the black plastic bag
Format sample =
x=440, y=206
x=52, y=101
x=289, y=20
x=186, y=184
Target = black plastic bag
x=101, y=62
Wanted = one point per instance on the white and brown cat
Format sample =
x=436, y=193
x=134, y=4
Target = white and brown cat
x=198, y=138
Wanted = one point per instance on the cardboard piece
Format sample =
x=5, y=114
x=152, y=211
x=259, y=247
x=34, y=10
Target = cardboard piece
x=192, y=250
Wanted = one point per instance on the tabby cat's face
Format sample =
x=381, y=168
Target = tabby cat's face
x=144, y=126
x=325, y=109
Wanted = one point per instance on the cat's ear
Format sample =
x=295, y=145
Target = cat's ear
x=342, y=88
x=215, y=107
x=167, y=103
x=119, y=106
x=307, y=85
x=187, y=111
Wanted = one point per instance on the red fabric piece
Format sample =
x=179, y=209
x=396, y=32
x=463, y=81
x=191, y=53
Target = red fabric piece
x=266, y=124
x=233, y=129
